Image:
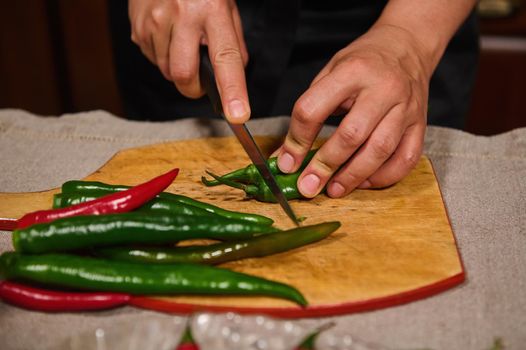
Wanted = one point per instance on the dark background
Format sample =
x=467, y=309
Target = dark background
x=55, y=58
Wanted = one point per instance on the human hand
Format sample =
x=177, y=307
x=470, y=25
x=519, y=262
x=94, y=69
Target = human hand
x=169, y=33
x=381, y=81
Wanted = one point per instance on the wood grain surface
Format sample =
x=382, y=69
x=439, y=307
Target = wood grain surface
x=395, y=244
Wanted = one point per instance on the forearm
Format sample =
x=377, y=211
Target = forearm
x=432, y=23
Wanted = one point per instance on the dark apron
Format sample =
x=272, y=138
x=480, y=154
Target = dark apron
x=289, y=42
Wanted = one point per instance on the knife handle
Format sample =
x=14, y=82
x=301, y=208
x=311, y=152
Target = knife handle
x=208, y=80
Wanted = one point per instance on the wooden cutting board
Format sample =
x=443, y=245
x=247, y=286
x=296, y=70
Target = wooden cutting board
x=395, y=245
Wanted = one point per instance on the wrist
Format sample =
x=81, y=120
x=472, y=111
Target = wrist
x=424, y=53
x=429, y=24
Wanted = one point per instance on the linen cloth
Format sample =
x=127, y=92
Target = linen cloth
x=483, y=182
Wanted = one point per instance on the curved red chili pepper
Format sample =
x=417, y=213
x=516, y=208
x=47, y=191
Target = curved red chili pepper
x=47, y=300
x=119, y=202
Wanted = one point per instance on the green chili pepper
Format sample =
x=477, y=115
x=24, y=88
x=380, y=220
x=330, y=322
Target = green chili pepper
x=129, y=228
x=261, y=192
x=227, y=251
x=61, y=200
x=90, y=186
x=250, y=174
x=145, y=279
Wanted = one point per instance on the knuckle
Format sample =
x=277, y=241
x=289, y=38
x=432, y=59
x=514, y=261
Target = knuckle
x=349, y=179
x=325, y=166
x=163, y=66
x=138, y=36
x=227, y=56
x=358, y=64
x=383, y=147
x=297, y=142
x=410, y=160
x=183, y=76
x=351, y=136
x=394, y=84
x=134, y=38
x=157, y=16
x=230, y=89
x=302, y=112
x=142, y=38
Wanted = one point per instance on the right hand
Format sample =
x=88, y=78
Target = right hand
x=169, y=33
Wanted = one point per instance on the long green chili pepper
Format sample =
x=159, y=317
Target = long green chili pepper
x=129, y=228
x=250, y=174
x=227, y=251
x=61, y=200
x=261, y=192
x=89, y=186
x=145, y=279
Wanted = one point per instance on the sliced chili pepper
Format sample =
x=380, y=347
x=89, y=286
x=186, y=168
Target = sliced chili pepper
x=80, y=232
x=228, y=251
x=61, y=200
x=261, y=192
x=113, y=203
x=143, y=279
x=54, y=301
x=89, y=186
x=251, y=175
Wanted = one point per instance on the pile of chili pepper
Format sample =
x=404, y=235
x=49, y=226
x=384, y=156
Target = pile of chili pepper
x=110, y=242
x=249, y=180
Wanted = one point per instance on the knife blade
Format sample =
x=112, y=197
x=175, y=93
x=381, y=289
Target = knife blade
x=207, y=79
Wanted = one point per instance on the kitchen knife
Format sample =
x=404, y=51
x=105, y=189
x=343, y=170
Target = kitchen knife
x=207, y=79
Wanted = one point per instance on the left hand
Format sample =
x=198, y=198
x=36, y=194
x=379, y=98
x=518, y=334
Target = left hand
x=381, y=81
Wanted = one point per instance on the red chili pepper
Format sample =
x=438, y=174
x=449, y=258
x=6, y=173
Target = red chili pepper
x=119, y=202
x=47, y=300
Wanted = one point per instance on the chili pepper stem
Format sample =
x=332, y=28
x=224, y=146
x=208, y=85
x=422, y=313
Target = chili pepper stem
x=236, y=175
x=250, y=190
x=227, y=182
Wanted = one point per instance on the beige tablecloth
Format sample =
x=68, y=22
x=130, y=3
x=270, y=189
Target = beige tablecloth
x=483, y=180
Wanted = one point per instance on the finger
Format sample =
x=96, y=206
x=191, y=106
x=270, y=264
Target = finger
x=141, y=29
x=184, y=60
x=150, y=50
x=225, y=55
x=146, y=46
x=161, y=47
x=404, y=159
x=137, y=22
x=328, y=67
x=239, y=33
x=350, y=135
x=308, y=115
x=322, y=73
x=160, y=27
x=379, y=147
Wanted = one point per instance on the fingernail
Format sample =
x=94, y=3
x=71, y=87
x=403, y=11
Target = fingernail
x=365, y=184
x=286, y=163
x=308, y=186
x=237, y=109
x=336, y=190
